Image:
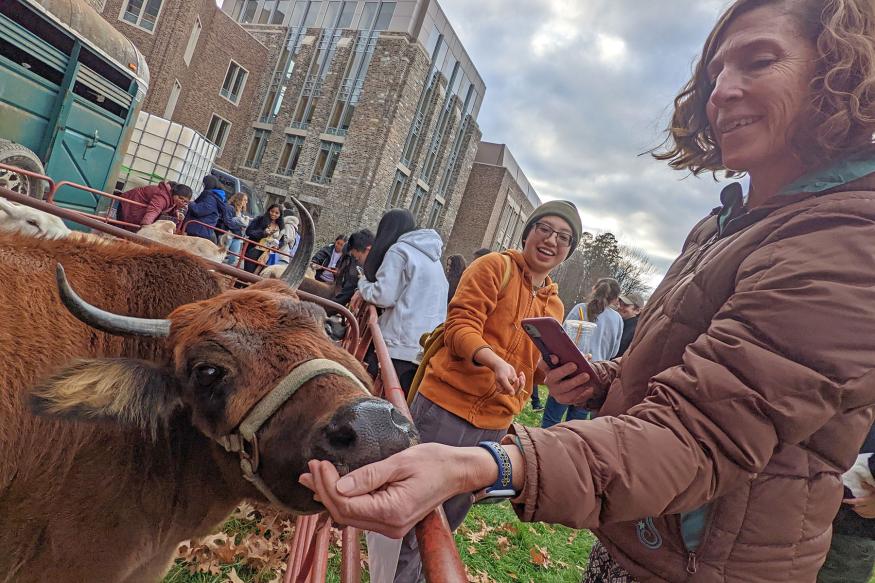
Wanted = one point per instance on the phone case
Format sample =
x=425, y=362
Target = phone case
x=550, y=338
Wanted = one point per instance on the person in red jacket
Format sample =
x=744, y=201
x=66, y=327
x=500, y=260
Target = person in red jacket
x=160, y=199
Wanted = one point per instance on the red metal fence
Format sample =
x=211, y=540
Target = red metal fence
x=308, y=553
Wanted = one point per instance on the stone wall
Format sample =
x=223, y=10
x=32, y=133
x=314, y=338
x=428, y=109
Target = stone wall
x=221, y=41
x=489, y=189
x=358, y=193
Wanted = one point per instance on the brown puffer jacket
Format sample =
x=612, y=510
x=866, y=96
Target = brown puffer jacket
x=746, y=393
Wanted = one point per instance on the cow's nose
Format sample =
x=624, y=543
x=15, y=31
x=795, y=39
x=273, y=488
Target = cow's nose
x=367, y=431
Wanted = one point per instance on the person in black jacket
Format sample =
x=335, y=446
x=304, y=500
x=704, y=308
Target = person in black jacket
x=267, y=227
x=354, y=254
x=851, y=556
x=326, y=259
x=629, y=308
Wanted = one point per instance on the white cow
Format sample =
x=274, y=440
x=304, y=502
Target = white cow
x=165, y=232
x=17, y=218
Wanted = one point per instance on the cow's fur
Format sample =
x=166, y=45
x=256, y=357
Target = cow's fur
x=119, y=466
x=165, y=232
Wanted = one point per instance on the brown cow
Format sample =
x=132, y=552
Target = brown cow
x=122, y=462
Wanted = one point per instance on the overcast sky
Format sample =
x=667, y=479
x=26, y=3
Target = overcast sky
x=578, y=89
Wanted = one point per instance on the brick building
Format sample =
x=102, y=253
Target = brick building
x=497, y=201
x=365, y=106
x=206, y=69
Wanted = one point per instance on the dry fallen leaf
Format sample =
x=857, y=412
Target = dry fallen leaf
x=540, y=556
x=573, y=536
x=479, y=577
x=503, y=544
x=233, y=577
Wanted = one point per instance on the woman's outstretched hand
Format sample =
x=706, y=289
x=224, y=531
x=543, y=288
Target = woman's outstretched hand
x=392, y=495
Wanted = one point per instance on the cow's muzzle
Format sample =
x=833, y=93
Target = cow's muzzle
x=364, y=432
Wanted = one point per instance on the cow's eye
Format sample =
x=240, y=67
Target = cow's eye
x=207, y=375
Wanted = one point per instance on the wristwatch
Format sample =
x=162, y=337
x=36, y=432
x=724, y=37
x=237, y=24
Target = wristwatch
x=502, y=489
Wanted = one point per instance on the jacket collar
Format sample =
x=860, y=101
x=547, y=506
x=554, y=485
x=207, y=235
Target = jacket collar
x=550, y=287
x=843, y=176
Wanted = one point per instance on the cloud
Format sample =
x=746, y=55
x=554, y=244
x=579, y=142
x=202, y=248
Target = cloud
x=579, y=90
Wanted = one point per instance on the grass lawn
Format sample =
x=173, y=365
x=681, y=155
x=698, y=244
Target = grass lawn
x=494, y=545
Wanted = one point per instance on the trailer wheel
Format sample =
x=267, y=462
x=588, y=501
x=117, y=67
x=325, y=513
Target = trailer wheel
x=17, y=155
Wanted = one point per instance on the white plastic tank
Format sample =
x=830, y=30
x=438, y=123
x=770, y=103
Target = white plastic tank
x=162, y=150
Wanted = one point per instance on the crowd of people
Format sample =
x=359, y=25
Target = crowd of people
x=273, y=237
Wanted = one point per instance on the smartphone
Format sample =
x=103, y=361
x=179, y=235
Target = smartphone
x=550, y=338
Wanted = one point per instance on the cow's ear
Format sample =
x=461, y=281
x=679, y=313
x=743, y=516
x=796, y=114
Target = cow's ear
x=131, y=392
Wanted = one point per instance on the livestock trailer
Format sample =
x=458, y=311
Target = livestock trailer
x=71, y=87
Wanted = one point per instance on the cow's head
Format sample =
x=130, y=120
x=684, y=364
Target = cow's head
x=227, y=355
x=17, y=218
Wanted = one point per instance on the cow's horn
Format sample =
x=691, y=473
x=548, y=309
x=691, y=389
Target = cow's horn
x=107, y=321
x=294, y=273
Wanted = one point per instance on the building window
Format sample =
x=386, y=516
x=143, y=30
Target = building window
x=218, y=131
x=435, y=216
x=192, y=41
x=279, y=15
x=418, y=199
x=329, y=152
x=256, y=149
x=384, y=17
x=290, y=155
x=508, y=216
x=171, y=102
x=397, y=190
x=235, y=81
x=244, y=11
x=142, y=13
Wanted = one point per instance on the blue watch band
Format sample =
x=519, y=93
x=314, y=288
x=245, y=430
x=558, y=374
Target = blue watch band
x=502, y=460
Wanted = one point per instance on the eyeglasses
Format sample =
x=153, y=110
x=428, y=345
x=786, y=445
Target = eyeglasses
x=546, y=231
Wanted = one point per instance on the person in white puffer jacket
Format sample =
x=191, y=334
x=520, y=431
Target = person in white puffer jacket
x=404, y=276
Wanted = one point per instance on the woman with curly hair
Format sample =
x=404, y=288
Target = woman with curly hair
x=723, y=432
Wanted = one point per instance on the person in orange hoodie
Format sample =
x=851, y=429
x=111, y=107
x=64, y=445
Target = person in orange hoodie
x=482, y=377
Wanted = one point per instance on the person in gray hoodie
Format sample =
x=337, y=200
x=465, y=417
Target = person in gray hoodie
x=404, y=276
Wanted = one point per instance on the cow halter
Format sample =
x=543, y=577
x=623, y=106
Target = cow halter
x=245, y=434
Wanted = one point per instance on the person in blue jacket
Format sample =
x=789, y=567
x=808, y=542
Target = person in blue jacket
x=210, y=209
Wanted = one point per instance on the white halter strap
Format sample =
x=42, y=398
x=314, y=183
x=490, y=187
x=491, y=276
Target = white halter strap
x=246, y=432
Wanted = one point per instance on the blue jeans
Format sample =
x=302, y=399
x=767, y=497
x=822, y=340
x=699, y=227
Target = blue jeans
x=536, y=398
x=235, y=247
x=554, y=411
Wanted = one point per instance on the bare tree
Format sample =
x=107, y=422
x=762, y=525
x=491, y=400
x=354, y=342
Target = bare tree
x=600, y=256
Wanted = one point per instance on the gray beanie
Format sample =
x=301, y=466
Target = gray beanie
x=564, y=210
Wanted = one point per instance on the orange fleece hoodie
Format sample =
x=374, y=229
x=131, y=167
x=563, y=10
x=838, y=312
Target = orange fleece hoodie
x=479, y=316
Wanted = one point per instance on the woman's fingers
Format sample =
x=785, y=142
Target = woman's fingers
x=368, y=478
x=368, y=511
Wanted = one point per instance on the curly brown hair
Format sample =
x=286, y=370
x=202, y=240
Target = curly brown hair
x=840, y=121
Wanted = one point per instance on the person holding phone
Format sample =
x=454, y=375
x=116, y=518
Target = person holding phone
x=604, y=344
x=723, y=433
x=482, y=377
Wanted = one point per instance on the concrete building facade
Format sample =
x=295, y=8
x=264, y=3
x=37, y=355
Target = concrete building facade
x=497, y=201
x=365, y=106
x=206, y=68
